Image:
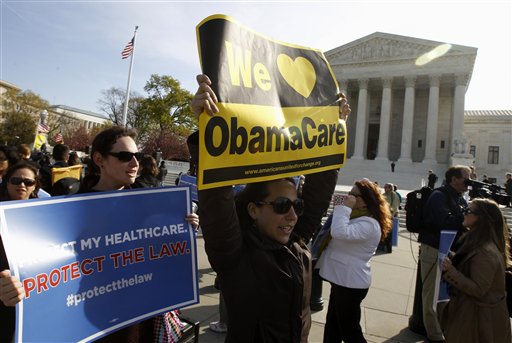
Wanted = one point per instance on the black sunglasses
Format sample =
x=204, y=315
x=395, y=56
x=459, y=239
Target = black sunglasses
x=126, y=156
x=467, y=211
x=282, y=205
x=18, y=180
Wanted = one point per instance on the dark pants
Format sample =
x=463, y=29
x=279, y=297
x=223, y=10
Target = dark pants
x=343, y=315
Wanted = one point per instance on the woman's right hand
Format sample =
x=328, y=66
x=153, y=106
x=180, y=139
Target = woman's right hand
x=11, y=289
x=446, y=264
x=205, y=99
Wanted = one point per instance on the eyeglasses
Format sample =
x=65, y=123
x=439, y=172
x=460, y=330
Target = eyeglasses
x=282, y=205
x=467, y=211
x=18, y=181
x=126, y=156
x=354, y=194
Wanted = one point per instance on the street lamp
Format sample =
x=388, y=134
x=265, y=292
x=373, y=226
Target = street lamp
x=43, y=115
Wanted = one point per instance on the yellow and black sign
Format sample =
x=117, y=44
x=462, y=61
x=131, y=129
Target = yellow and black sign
x=278, y=111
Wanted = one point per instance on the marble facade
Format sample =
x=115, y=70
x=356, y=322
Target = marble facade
x=408, y=99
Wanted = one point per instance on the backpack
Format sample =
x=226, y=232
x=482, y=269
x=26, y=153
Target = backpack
x=415, y=202
x=65, y=186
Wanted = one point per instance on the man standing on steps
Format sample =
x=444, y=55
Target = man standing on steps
x=162, y=173
x=443, y=211
x=432, y=179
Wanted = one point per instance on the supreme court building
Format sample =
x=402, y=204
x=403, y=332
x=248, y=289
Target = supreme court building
x=407, y=98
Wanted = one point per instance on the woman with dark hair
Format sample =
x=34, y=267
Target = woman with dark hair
x=113, y=166
x=148, y=173
x=257, y=245
x=477, y=310
x=73, y=159
x=8, y=157
x=358, y=225
x=20, y=183
x=114, y=161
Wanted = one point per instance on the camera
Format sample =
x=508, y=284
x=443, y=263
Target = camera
x=478, y=189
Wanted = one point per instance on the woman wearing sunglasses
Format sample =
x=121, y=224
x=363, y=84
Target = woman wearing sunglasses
x=477, y=310
x=358, y=225
x=113, y=165
x=256, y=243
x=114, y=161
x=20, y=183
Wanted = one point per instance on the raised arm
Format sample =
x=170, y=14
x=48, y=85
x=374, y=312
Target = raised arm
x=219, y=222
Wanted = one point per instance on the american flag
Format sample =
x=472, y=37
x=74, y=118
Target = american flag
x=58, y=138
x=128, y=49
x=43, y=128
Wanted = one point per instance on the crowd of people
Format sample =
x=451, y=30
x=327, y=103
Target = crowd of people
x=257, y=241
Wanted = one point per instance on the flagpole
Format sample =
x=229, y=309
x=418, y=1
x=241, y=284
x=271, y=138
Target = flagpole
x=125, y=110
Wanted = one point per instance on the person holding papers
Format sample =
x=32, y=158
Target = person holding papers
x=256, y=242
x=358, y=225
x=477, y=310
x=443, y=211
x=20, y=183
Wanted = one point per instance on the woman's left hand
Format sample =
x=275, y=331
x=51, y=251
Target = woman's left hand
x=344, y=107
x=193, y=219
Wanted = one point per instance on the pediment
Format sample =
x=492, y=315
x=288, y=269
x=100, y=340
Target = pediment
x=386, y=47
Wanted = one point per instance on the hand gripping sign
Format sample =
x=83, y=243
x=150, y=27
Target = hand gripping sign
x=278, y=108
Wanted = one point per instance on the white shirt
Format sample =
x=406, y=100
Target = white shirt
x=346, y=260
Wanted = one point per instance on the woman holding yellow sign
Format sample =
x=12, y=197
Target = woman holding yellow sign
x=256, y=242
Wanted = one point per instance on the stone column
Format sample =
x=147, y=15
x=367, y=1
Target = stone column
x=385, y=120
x=458, y=109
x=405, y=152
x=433, y=114
x=361, y=124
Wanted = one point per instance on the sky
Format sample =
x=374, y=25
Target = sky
x=68, y=52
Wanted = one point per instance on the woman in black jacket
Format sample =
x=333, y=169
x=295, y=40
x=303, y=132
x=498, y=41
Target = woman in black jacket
x=256, y=243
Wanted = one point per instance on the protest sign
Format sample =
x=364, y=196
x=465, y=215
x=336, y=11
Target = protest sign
x=445, y=243
x=191, y=181
x=94, y=263
x=278, y=108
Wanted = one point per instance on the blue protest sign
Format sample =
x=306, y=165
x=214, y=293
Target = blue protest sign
x=91, y=264
x=188, y=180
x=445, y=242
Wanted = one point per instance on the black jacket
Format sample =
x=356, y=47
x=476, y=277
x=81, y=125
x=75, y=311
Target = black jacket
x=443, y=211
x=266, y=285
x=146, y=181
